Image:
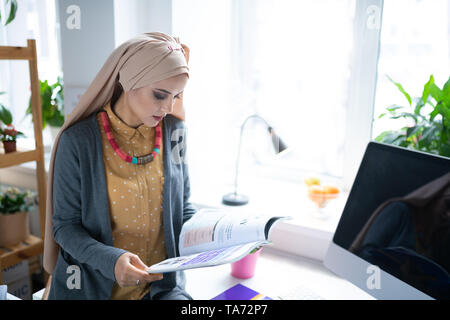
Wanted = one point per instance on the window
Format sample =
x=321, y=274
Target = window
x=289, y=61
x=35, y=19
x=415, y=43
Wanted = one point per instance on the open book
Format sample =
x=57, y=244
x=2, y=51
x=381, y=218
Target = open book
x=218, y=236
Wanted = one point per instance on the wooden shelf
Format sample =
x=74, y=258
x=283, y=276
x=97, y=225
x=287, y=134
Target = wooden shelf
x=12, y=255
x=16, y=53
x=18, y=157
x=32, y=247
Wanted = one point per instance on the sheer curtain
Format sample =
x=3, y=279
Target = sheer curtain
x=415, y=43
x=288, y=61
x=35, y=19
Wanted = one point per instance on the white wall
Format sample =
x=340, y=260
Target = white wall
x=84, y=49
x=104, y=25
x=132, y=17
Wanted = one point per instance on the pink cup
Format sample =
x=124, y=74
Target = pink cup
x=245, y=268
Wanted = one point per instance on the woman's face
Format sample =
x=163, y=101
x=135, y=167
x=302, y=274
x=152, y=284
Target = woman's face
x=148, y=105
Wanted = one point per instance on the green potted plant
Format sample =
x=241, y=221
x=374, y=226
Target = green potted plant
x=14, y=208
x=429, y=115
x=11, y=9
x=8, y=134
x=52, y=103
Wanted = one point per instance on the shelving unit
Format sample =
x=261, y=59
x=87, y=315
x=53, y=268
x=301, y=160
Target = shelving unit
x=33, y=246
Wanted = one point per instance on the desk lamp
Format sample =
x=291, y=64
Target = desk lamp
x=233, y=198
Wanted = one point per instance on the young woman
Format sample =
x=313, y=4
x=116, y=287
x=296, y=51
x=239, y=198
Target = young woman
x=118, y=190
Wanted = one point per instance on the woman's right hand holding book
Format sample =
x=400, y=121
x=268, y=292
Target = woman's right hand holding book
x=129, y=269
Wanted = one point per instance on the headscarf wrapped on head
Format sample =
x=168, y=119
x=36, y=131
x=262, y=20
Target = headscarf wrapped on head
x=138, y=62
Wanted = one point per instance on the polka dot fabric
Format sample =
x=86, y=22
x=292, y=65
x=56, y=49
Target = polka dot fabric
x=135, y=193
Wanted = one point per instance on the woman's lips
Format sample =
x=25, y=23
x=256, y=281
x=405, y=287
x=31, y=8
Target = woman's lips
x=157, y=118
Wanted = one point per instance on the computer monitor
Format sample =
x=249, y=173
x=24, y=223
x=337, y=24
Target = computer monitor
x=393, y=237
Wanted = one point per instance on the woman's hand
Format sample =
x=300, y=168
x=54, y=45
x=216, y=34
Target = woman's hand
x=129, y=268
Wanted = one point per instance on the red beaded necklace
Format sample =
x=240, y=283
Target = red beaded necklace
x=136, y=159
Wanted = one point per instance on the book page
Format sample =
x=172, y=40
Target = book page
x=211, y=229
x=205, y=259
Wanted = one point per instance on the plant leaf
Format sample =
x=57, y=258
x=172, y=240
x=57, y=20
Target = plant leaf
x=400, y=88
x=436, y=92
x=446, y=92
x=406, y=115
x=428, y=134
x=425, y=94
x=390, y=136
x=12, y=10
x=413, y=130
x=5, y=115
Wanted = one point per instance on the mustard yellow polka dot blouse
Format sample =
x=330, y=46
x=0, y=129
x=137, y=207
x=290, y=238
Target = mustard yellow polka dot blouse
x=135, y=193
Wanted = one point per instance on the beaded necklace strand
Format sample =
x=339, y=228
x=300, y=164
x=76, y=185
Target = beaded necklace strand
x=136, y=159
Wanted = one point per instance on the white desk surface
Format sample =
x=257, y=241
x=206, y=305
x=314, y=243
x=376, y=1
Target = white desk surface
x=276, y=272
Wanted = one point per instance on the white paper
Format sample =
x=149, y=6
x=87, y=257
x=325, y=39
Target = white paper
x=211, y=229
x=205, y=259
x=216, y=236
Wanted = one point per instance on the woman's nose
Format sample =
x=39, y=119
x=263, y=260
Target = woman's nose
x=169, y=107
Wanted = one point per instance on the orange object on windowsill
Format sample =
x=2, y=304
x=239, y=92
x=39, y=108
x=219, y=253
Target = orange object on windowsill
x=320, y=195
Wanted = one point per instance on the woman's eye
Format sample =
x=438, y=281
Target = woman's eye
x=159, y=97
x=162, y=97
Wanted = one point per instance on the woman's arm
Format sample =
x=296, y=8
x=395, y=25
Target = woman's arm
x=68, y=231
x=188, y=209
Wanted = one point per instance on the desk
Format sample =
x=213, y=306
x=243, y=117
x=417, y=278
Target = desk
x=275, y=273
x=304, y=242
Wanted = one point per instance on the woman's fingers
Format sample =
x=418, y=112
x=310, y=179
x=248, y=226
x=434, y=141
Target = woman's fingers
x=144, y=275
x=137, y=262
x=141, y=266
x=130, y=268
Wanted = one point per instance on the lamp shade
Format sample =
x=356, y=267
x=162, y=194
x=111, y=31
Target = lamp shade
x=278, y=144
x=233, y=198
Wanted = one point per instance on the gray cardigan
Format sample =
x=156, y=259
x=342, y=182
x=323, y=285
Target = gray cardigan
x=81, y=218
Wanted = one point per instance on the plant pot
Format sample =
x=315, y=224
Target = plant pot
x=14, y=228
x=245, y=268
x=9, y=146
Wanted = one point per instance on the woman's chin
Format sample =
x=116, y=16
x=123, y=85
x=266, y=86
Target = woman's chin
x=150, y=122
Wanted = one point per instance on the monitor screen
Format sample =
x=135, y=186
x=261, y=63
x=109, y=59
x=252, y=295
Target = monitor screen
x=397, y=217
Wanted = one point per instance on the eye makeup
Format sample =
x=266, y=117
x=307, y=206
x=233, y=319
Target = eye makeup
x=159, y=96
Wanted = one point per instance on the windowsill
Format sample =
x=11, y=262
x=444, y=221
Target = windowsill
x=304, y=235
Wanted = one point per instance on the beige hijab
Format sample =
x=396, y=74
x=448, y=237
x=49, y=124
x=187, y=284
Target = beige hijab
x=138, y=62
